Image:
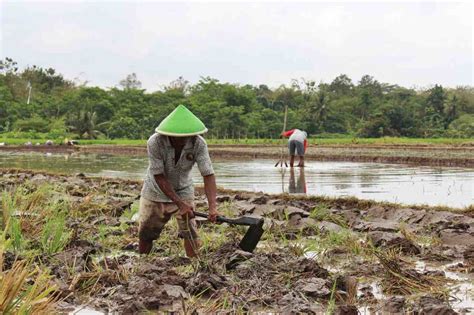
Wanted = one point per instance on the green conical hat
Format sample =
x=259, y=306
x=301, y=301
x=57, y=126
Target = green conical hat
x=181, y=123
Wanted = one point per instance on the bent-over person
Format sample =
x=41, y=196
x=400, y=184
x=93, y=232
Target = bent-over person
x=297, y=145
x=168, y=188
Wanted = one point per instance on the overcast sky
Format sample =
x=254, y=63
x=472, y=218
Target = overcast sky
x=411, y=44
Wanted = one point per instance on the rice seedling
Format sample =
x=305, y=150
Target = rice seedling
x=16, y=235
x=23, y=289
x=12, y=222
x=399, y=280
x=321, y=213
x=344, y=239
x=197, y=302
x=17, y=296
x=221, y=304
x=35, y=216
x=213, y=238
x=55, y=235
x=331, y=308
x=185, y=270
x=130, y=212
x=98, y=274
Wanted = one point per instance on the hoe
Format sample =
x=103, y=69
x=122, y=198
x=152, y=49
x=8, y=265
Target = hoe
x=282, y=159
x=253, y=234
x=251, y=237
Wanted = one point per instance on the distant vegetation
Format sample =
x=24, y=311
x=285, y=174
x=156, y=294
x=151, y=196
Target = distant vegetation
x=40, y=103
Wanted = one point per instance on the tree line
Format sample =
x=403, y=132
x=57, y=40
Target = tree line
x=40, y=101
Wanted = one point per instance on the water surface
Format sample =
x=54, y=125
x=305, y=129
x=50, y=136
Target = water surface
x=377, y=181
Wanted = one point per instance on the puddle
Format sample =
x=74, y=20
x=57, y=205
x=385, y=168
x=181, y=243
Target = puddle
x=24, y=214
x=135, y=217
x=377, y=293
x=311, y=255
x=115, y=254
x=376, y=181
x=85, y=311
x=462, y=289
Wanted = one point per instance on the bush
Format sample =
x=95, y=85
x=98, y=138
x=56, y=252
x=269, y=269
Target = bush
x=378, y=126
x=124, y=127
x=463, y=127
x=57, y=129
x=34, y=124
x=327, y=135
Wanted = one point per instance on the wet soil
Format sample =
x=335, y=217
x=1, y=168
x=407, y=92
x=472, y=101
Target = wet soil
x=438, y=155
x=316, y=255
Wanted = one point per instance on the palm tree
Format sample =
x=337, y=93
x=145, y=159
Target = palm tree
x=85, y=125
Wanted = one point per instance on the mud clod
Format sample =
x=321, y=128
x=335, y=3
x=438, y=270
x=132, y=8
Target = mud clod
x=395, y=304
x=431, y=305
x=261, y=200
x=346, y=310
x=394, y=240
x=238, y=257
x=314, y=287
x=205, y=284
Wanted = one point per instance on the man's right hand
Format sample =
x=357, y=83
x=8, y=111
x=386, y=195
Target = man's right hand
x=185, y=210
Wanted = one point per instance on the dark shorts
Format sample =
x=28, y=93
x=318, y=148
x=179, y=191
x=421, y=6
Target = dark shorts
x=296, y=147
x=153, y=217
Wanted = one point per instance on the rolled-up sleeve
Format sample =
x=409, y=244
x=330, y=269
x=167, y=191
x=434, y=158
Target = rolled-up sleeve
x=203, y=159
x=156, y=165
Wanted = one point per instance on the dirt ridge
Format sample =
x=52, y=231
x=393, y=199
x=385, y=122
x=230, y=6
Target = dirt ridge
x=451, y=156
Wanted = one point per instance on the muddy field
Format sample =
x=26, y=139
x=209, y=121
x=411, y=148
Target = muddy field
x=438, y=155
x=317, y=255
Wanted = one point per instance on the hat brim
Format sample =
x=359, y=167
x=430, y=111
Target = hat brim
x=172, y=134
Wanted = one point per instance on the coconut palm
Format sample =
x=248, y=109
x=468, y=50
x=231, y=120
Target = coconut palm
x=85, y=125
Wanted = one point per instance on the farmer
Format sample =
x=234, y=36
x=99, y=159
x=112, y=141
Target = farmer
x=168, y=187
x=297, y=144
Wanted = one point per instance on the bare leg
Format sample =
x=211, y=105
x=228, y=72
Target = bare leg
x=144, y=247
x=292, y=160
x=192, y=247
x=301, y=163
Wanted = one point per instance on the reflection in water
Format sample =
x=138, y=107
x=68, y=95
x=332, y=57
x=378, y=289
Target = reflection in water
x=383, y=182
x=297, y=186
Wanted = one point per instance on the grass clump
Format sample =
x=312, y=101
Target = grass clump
x=55, y=235
x=322, y=213
x=35, y=214
x=23, y=288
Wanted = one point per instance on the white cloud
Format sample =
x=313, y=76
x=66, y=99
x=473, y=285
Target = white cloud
x=404, y=43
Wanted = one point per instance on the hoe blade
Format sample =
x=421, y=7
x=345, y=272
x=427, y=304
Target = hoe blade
x=252, y=237
x=253, y=234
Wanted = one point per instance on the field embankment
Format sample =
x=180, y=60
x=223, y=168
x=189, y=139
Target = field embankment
x=317, y=254
x=419, y=154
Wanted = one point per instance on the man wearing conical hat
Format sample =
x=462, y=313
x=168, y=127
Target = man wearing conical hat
x=168, y=187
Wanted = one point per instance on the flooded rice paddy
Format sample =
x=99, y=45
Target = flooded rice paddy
x=405, y=184
x=377, y=181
